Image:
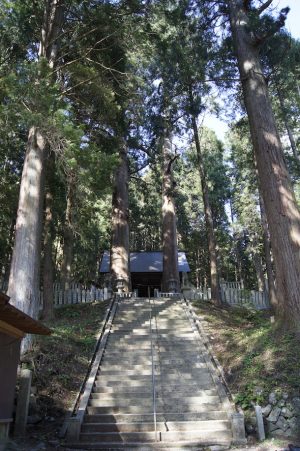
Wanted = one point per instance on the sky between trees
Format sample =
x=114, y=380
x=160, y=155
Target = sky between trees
x=219, y=125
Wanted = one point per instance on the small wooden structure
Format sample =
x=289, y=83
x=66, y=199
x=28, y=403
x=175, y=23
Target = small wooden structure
x=146, y=270
x=14, y=324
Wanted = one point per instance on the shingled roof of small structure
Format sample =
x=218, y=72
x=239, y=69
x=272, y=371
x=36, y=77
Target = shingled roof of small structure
x=145, y=262
x=16, y=318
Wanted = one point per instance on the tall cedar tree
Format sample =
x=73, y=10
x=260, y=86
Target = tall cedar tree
x=281, y=209
x=170, y=277
x=24, y=279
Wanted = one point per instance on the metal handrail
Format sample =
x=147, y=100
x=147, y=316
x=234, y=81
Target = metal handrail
x=153, y=374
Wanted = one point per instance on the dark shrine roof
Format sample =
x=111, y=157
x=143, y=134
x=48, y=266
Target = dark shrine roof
x=16, y=318
x=146, y=262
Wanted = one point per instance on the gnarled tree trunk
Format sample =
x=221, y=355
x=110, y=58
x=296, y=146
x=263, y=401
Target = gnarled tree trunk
x=276, y=189
x=119, y=257
x=170, y=277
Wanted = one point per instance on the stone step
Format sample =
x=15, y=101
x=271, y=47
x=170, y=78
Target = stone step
x=129, y=348
x=146, y=335
x=187, y=363
x=128, y=357
x=155, y=446
x=137, y=366
x=123, y=394
x=128, y=364
x=201, y=375
x=173, y=353
x=158, y=365
x=202, y=436
x=181, y=391
x=131, y=328
x=148, y=417
x=119, y=383
x=164, y=372
x=99, y=399
x=146, y=382
x=212, y=425
x=139, y=371
x=163, y=390
x=146, y=406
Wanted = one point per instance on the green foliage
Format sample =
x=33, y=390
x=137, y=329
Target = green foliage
x=249, y=397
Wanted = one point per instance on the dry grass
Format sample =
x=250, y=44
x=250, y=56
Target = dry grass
x=254, y=354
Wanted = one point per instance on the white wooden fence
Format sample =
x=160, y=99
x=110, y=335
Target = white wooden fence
x=236, y=296
x=198, y=294
x=76, y=294
x=232, y=293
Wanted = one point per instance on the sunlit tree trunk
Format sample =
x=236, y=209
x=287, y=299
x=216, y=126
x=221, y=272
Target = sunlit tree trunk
x=170, y=277
x=276, y=189
x=214, y=277
x=24, y=279
x=120, y=264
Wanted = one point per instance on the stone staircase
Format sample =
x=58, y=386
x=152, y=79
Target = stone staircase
x=156, y=386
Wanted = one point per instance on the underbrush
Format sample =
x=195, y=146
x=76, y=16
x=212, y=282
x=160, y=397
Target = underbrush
x=59, y=363
x=256, y=356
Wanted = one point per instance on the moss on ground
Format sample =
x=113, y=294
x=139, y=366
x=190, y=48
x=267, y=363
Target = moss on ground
x=257, y=358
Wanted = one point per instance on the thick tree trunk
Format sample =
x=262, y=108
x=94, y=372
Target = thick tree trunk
x=268, y=259
x=277, y=193
x=66, y=266
x=48, y=279
x=170, y=277
x=24, y=279
x=288, y=127
x=214, y=277
x=120, y=264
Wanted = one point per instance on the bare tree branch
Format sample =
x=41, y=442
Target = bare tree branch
x=264, y=6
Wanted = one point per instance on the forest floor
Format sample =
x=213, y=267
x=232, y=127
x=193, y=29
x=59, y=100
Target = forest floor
x=59, y=364
x=257, y=358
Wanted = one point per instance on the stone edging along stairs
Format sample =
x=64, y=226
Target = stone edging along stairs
x=153, y=384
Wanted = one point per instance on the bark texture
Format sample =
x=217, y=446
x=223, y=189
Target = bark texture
x=170, y=278
x=48, y=267
x=23, y=286
x=66, y=266
x=119, y=258
x=276, y=189
x=214, y=277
